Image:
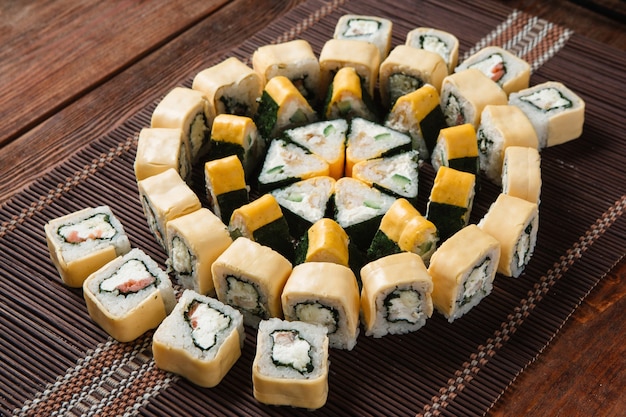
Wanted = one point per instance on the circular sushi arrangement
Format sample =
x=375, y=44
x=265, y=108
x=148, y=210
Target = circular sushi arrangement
x=309, y=231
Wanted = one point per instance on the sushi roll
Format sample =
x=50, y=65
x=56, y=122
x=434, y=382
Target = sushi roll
x=347, y=99
x=305, y=202
x=82, y=242
x=159, y=149
x=129, y=295
x=500, y=127
x=294, y=60
x=286, y=163
x=231, y=87
x=521, y=173
x=438, y=41
x=396, y=175
x=262, y=220
x=281, y=107
x=419, y=115
x=555, y=111
x=327, y=294
x=403, y=229
x=457, y=148
x=396, y=295
x=250, y=277
x=194, y=241
x=369, y=140
x=501, y=66
x=236, y=135
x=406, y=69
x=189, y=110
x=463, y=269
x=372, y=29
x=326, y=139
x=226, y=187
x=325, y=241
x=164, y=197
x=514, y=223
x=451, y=200
x=465, y=94
x=364, y=57
x=200, y=340
x=359, y=209
x=290, y=364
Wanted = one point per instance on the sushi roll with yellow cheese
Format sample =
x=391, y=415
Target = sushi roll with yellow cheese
x=463, y=269
x=396, y=295
x=373, y=29
x=250, y=277
x=438, y=41
x=129, y=295
x=159, y=149
x=327, y=294
x=226, y=186
x=82, y=242
x=194, y=241
x=325, y=241
x=290, y=366
x=521, y=173
x=347, y=99
x=514, y=223
x=200, y=340
x=457, y=148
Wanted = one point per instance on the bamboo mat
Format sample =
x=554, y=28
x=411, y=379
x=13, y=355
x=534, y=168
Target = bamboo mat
x=54, y=360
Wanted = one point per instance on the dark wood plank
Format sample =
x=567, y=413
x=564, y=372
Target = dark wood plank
x=53, y=52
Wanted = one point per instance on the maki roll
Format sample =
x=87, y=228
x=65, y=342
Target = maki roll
x=500, y=127
x=262, y=221
x=364, y=57
x=286, y=163
x=555, y=111
x=164, y=197
x=231, y=87
x=129, y=295
x=159, y=149
x=290, y=365
x=419, y=115
x=82, y=242
x=189, y=110
x=396, y=175
x=294, y=60
x=347, y=99
x=359, y=209
x=236, y=135
x=200, y=340
x=521, y=173
x=507, y=70
x=327, y=294
x=457, y=148
x=281, y=107
x=403, y=229
x=514, y=223
x=465, y=94
x=372, y=29
x=250, y=277
x=406, y=69
x=438, y=41
x=396, y=295
x=450, y=202
x=368, y=140
x=226, y=186
x=305, y=202
x=325, y=241
x=194, y=241
x=463, y=269
x=326, y=139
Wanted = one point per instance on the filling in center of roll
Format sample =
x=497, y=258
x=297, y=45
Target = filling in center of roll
x=454, y=111
x=181, y=257
x=522, y=249
x=291, y=350
x=404, y=305
x=475, y=282
x=206, y=323
x=361, y=27
x=244, y=295
x=95, y=227
x=547, y=99
x=133, y=276
x=313, y=312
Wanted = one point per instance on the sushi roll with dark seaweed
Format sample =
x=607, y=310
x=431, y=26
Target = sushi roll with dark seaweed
x=129, y=295
x=200, y=340
x=291, y=363
x=521, y=173
x=438, y=41
x=159, y=149
x=325, y=241
x=347, y=99
x=250, y=277
x=457, y=148
x=372, y=29
x=396, y=295
x=226, y=187
x=82, y=242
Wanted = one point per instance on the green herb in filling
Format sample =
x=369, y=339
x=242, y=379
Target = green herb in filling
x=329, y=129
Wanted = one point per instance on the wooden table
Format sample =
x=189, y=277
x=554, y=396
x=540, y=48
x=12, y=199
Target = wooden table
x=71, y=71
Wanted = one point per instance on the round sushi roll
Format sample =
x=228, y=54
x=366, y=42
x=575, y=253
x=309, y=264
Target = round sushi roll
x=438, y=41
x=521, y=173
x=373, y=29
